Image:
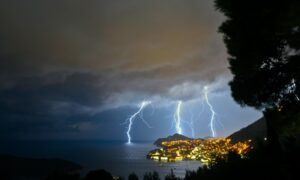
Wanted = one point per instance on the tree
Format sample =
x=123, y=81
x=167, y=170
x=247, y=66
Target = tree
x=263, y=42
x=172, y=176
x=59, y=175
x=98, y=174
x=151, y=176
x=133, y=176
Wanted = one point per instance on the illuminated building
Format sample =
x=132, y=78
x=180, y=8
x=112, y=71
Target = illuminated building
x=204, y=150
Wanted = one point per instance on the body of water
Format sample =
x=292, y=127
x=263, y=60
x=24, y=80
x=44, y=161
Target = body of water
x=118, y=158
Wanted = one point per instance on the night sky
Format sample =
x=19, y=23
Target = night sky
x=74, y=69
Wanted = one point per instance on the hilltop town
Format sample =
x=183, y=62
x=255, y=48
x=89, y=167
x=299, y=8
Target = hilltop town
x=179, y=147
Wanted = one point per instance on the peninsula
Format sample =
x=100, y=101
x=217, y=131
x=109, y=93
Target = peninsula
x=179, y=147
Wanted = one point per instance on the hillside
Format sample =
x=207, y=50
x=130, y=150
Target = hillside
x=254, y=131
x=171, y=138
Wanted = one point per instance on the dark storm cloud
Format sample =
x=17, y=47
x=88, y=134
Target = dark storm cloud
x=36, y=106
x=60, y=58
x=169, y=41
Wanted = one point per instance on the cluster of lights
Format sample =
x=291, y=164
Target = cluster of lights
x=205, y=150
x=212, y=150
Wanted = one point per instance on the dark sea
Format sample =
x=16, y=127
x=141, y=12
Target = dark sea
x=118, y=158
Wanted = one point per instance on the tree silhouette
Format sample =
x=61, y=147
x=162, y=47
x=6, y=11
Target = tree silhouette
x=99, y=174
x=133, y=176
x=171, y=176
x=58, y=175
x=151, y=176
x=263, y=42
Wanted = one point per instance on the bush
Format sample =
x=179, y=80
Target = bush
x=99, y=174
x=133, y=176
x=151, y=176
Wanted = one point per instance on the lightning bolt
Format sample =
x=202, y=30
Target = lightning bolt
x=177, y=117
x=213, y=113
x=192, y=119
x=134, y=116
x=191, y=124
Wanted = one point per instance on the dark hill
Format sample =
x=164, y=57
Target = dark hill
x=171, y=138
x=31, y=168
x=255, y=131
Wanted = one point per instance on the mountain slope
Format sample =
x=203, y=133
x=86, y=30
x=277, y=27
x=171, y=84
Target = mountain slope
x=255, y=131
x=171, y=138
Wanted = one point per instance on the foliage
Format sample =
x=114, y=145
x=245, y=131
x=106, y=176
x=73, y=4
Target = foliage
x=58, y=175
x=99, y=174
x=260, y=164
x=263, y=40
x=151, y=176
x=171, y=176
x=133, y=176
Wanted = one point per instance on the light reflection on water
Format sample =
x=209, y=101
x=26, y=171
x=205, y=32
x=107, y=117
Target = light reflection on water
x=117, y=157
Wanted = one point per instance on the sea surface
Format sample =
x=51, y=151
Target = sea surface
x=118, y=158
